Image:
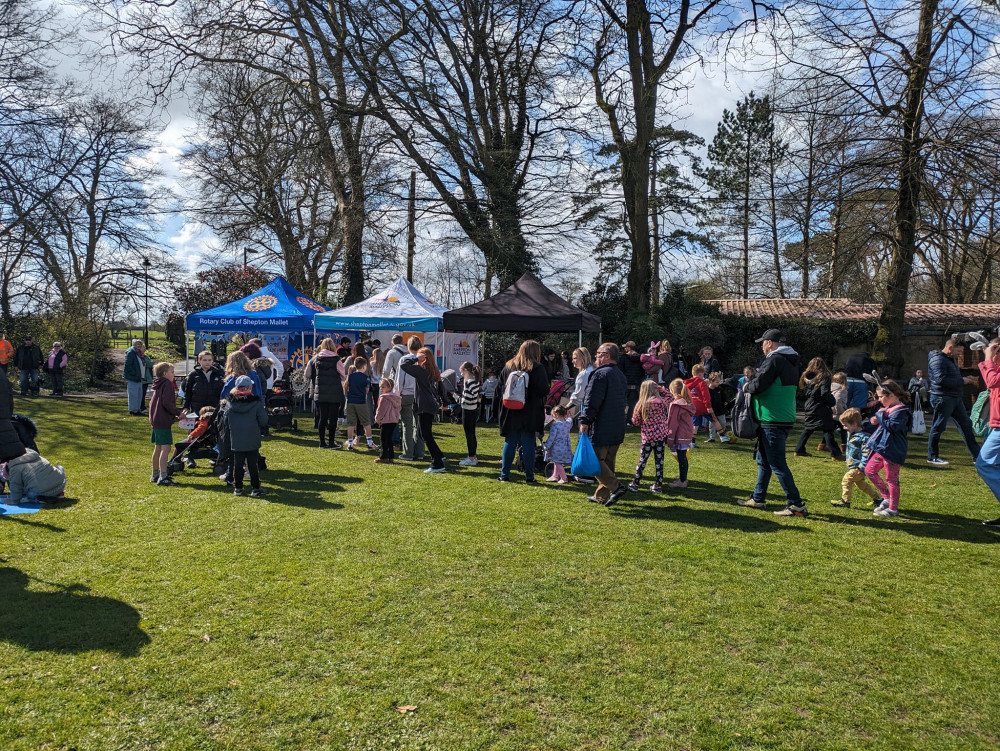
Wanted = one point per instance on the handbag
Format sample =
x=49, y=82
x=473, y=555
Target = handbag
x=585, y=462
x=919, y=426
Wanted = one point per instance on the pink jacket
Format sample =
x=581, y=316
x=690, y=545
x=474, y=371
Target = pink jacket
x=654, y=427
x=991, y=377
x=680, y=423
x=387, y=411
x=650, y=363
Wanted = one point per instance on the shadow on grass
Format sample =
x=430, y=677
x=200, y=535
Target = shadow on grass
x=703, y=518
x=66, y=621
x=28, y=521
x=926, y=524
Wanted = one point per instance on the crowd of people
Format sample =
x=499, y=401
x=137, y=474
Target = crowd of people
x=864, y=420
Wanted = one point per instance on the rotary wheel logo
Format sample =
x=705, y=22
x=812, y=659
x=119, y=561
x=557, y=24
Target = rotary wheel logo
x=310, y=304
x=259, y=303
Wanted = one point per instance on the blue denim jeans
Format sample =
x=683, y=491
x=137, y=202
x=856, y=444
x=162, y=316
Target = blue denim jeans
x=946, y=407
x=524, y=439
x=28, y=377
x=988, y=462
x=771, y=458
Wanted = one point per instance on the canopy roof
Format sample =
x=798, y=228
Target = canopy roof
x=526, y=305
x=399, y=306
x=275, y=307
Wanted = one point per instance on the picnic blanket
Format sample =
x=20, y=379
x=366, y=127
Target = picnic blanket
x=25, y=507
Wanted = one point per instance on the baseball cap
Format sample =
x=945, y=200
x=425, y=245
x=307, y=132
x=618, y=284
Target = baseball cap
x=244, y=382
x=771, y=335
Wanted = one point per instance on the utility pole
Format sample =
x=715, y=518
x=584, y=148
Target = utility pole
x=411, y=222
x=145, y=327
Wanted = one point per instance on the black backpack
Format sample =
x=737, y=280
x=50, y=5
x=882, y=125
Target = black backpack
x=745, y=425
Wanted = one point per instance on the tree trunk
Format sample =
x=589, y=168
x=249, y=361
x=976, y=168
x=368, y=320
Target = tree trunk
x=745, y=291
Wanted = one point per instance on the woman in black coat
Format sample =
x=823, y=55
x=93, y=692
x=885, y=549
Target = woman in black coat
x=10, y=442
x=519, y=427
x=815, y=383
x=325, y=374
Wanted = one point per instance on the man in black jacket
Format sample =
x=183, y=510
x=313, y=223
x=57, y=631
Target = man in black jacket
x=946, y=400
x=603, y=418
x=28, y=361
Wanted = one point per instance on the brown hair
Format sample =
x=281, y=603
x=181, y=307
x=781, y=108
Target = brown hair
x=851, y=416
x=358, y=350
x=204, y=352
x=360, y=363
x=817, y=366
x=237, y=364
x=414, y=343
x=895, y=389
x=429, y=364
x=529, y=353
x=387, y=383
x=471, y=367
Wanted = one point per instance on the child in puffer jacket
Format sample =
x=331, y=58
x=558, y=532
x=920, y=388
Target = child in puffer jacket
x=680, y=429
x=30, y=477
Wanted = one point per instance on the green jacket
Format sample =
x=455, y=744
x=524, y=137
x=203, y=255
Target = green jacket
x=773, y=388
x=132, y=371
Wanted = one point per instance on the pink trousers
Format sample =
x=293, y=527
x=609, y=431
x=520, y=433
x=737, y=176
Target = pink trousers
x=889, y=487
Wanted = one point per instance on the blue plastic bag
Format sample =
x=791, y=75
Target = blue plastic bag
x=585, y=463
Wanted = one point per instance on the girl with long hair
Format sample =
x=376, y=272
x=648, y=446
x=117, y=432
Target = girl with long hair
x=820, y=401
x=471, y=385
x=650, y=416
x=519, y=427
x=680, y=429
x=888, y=445
x=427, y=401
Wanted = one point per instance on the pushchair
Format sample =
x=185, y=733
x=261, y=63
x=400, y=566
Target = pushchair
x=557, y=394
x=199, y=444
x=280, y=404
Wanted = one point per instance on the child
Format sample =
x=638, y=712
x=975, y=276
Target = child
x=888, y=445
x=200, y=428
x=650, y=416
x=489, y=391
x=356, y=412
x=680, y=429
x=700, y=397
x=470, y=410
x=857, y=457
x=557, y=447
x=838, y=387
x=163, y=413
x=246, y=417
x=651, y=362
x=718, y=398
x=31, y=477
x=387, y=416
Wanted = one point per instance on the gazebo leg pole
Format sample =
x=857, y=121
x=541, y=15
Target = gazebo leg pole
x=187, y=351
x=579, y=340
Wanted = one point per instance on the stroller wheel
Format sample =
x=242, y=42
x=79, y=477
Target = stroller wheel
x=550, y=469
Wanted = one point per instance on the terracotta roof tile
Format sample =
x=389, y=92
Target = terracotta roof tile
x=842, y=309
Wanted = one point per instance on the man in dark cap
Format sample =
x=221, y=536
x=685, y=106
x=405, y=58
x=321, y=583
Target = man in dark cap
x=28, y=361
x=773, y=390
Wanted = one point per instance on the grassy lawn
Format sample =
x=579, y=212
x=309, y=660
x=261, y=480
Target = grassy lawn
x=512, y=617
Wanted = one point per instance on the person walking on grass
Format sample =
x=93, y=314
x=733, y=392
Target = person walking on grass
x=427, y=400
x=857, y=458
x=412, y=444
x=946, y=399
x=325, y=373
x=470, y=410
x=888, y=445
x=773, y=389
x=138, y=374
x=356, y=412
x=816, y=383
x=650, y=416
x=163, y=413
x=988, y=461
x=246, y=417
x=520, y=424
x=603, y=419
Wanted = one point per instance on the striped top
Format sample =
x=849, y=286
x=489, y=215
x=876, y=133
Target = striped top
x=470, y=394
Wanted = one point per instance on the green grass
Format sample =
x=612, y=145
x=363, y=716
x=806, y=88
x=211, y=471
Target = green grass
x=513, y=617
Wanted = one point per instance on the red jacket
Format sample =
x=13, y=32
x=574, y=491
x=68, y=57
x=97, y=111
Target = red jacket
x=701, y=397
x=991, y=376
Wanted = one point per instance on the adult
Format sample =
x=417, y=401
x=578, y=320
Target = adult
x=11, y=446
x=706, y=357
x=325, y=374
x=6, y=353
x=138, y=374
x=238, y=364
x=203, y=386
x=918, y=387
x=856, y=367
x=565, y=366
x=603, y=419
x=28, y=360
x=520, y=426
x=277, y=367
x=406, y=386
x=946, y=399
x=631, y=367
x=427, y=400
x=553, y=368
x=584, y=365
x=344, y=350
x=393, y=356
x=815, y=384
x=773, y=389
x=988, y=461
x=55, y=365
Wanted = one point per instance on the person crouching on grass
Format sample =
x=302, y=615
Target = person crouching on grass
x=246, y=417
x=163, y=413
x=387, y=416
x=857, y=457
x=888, y=445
